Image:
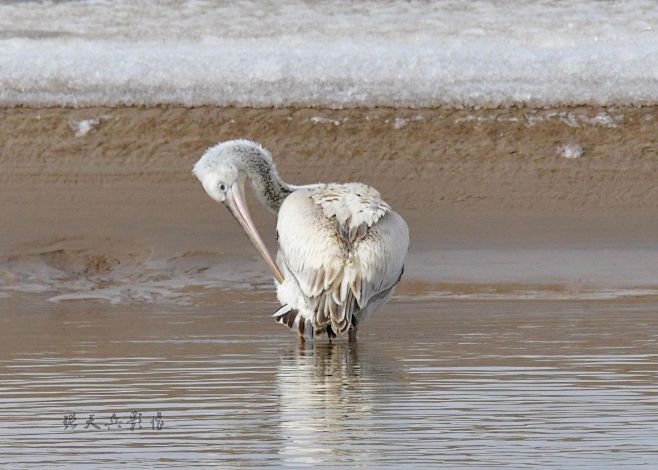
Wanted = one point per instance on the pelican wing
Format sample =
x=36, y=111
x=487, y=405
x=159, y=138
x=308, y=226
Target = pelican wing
x=340, y=247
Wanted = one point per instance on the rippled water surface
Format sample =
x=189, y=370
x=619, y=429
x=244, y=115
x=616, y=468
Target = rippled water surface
x=430, y=384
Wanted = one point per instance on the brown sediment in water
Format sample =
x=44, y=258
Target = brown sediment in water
x=117, y=189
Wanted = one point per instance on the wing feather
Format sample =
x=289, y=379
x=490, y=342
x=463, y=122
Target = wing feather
x=339, y=246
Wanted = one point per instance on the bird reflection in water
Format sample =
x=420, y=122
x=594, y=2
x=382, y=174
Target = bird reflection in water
x=326, y=398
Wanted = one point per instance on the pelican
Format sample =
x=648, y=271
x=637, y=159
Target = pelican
x=341, y=247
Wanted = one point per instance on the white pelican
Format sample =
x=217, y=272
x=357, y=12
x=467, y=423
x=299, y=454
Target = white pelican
x=341, y=247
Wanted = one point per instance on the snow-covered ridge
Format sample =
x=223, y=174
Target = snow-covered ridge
x=264, y=53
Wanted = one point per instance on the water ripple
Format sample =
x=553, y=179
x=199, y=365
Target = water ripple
x=453, y=385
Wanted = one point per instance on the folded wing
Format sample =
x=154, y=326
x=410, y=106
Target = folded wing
x=341, y=246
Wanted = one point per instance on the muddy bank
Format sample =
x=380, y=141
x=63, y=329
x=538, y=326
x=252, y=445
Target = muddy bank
x=420, y=159
x=106, y=194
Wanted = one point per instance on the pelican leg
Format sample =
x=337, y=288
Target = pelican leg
x=300, y=339
x=351, y=335
x=330, y=333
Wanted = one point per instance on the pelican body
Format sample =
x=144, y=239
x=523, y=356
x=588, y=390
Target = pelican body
x=341, y=247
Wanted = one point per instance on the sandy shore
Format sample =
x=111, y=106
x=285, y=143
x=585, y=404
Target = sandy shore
x=421, y=159
x=88, y=192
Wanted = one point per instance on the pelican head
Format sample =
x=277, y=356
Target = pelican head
x=223, y=171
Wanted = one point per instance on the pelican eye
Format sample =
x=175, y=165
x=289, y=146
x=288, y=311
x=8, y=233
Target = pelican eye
x=222, y=187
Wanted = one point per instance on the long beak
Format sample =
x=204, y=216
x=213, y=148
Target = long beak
x=238, y=208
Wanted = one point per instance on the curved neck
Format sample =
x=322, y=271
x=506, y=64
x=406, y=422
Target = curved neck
x=270, y=189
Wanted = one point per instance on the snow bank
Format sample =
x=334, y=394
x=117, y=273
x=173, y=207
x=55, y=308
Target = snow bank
x=336, y=54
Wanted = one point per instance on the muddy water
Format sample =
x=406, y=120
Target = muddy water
x=430, y=384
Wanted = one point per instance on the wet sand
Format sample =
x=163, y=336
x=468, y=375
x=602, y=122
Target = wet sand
x=420, y=159
x=441, y=384
x=108, y=209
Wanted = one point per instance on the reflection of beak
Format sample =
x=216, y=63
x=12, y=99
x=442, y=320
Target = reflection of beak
x=238, y=207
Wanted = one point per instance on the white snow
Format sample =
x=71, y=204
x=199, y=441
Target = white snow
x=576, y=118
x=324, y=120
x=570, y=151
x=82, y=128
x=337, y=54
x=400, y=123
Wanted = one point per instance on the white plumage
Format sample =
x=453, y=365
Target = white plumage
x=341, y=247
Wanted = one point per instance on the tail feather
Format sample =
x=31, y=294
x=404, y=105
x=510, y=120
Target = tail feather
x=290, y=317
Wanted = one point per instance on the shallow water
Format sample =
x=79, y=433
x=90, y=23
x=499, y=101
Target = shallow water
x=447, y=383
